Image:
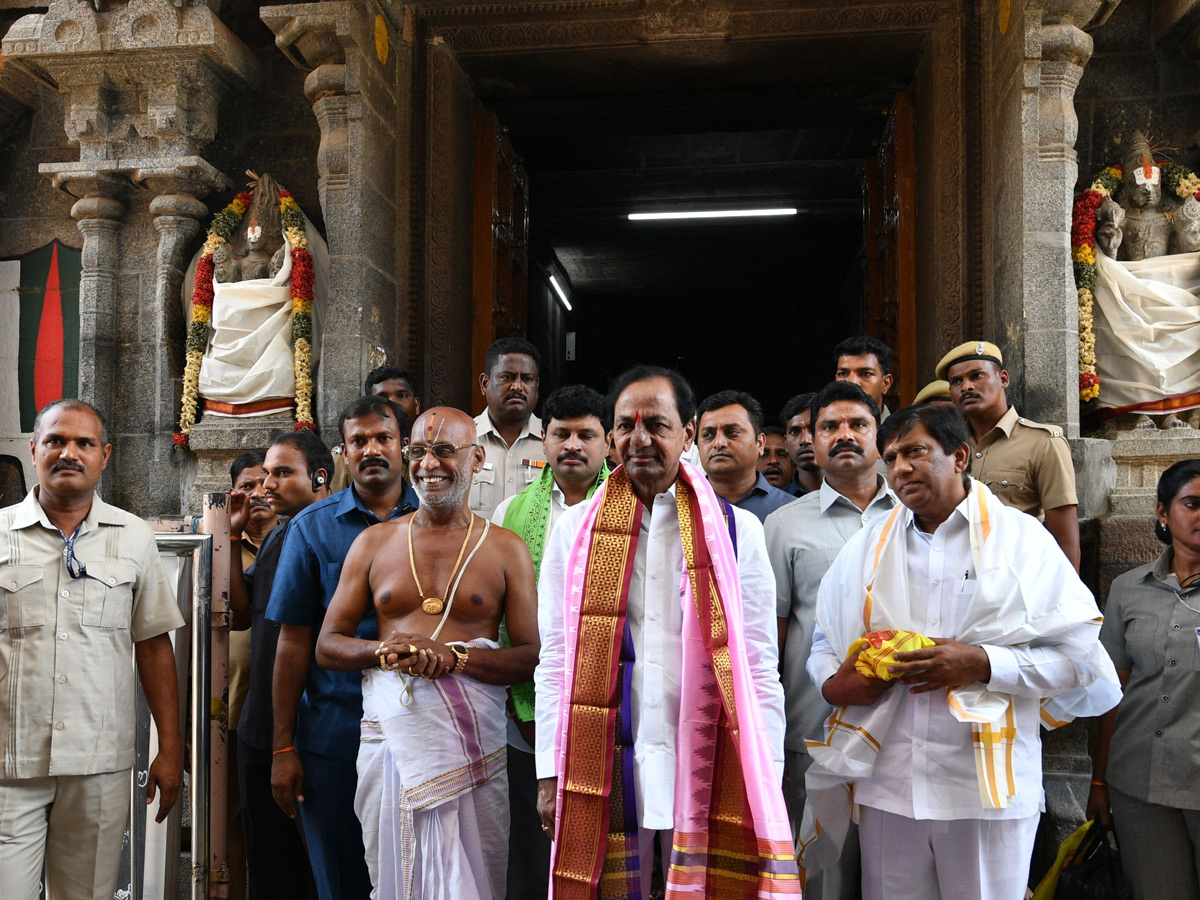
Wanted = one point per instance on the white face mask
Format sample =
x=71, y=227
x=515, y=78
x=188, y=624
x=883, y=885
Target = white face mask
x=254, y=232
x=1139, y=176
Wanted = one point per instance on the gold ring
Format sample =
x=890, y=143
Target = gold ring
x=412, y=650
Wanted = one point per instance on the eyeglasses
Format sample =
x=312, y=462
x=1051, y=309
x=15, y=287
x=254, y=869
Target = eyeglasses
x=415, y=453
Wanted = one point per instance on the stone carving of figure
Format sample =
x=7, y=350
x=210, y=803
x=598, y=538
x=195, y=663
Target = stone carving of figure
x=1147, y=231
x=1185, y=227
x=1110, y=224
x=257, y=248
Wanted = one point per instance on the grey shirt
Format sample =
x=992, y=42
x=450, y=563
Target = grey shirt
x=763, y=499
x=1150, y=631
x=803, y=540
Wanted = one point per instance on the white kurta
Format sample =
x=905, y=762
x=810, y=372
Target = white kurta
x=655, y=616
x=1147, y=323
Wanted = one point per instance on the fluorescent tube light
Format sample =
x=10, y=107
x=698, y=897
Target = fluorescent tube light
x=713, y=214
x=561, y=293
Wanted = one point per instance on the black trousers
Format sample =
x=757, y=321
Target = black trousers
x=528, y=845
x=275, y=852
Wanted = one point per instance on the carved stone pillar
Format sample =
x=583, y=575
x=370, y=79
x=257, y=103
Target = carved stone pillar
x=99, y=218
x=1057, y=49
x=352, y=86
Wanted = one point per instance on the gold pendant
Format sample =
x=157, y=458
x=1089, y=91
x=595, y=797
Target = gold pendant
x=433, y=605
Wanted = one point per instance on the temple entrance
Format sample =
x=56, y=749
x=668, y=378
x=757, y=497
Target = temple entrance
x=562, y=129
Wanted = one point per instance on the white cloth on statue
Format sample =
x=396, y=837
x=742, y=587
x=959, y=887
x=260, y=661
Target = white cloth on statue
x=1016, y=596
x=249, y=357
x=433, y=787
x=976, y=859
x=1147, y=324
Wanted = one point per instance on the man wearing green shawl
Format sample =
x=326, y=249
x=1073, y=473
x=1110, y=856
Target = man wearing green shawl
x=574, y=442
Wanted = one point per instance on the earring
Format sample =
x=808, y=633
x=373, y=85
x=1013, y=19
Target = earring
x=1162, y=532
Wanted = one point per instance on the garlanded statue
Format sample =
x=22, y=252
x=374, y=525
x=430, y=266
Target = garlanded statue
x=1135, y=237
x=256, y=299
x=1147, y=230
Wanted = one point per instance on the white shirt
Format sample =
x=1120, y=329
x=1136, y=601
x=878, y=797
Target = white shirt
x=506, y=470
x=655, y=616
x=926, y=765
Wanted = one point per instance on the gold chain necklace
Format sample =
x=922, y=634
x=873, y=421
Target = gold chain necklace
x=434, y=605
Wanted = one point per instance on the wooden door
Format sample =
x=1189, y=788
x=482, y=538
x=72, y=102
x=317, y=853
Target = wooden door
x=501, y=241
x=890, y=248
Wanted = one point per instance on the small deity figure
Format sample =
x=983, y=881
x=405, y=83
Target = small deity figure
x=256, y=251
x=1110, y=224
x=1147, y=231
x=1185, y=227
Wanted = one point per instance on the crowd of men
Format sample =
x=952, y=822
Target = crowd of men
x=638, y=644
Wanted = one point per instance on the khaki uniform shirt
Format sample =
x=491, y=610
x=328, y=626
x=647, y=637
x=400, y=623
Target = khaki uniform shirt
x=506, y=470
x=66, y=644
x=1151, y=627
x=1026, y=464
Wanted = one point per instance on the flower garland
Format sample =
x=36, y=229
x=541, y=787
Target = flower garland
x=302, y=298
x=1179, y=180
x=223, y=226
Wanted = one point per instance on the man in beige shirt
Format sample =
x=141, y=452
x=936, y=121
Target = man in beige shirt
x=508, y=431
x=82, y=593
x=1024, y=463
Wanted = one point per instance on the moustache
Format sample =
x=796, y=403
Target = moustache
x=374, y=461
x=515, y=395
x=845, y=445
x=261, y=501
x=773, y=467
x=969, y=395
x=66, y=464
x=571, y=454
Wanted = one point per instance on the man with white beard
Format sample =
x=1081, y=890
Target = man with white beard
x=432, y=788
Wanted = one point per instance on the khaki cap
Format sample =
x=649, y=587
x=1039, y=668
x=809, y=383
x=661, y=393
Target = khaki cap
x=969, y=350
x=935, y=390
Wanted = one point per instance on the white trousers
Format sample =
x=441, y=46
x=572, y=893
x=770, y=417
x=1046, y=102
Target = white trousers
x=74, y=824
x=958, y=859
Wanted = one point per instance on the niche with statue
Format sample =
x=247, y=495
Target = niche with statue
x=1136, y=248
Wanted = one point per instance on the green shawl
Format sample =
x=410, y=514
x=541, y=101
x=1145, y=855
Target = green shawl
x=529, y=516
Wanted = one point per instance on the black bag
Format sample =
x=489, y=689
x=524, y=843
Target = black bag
x=1094, y=873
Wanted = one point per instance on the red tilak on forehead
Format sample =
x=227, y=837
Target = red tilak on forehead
x=429, y=428
x=637, y=419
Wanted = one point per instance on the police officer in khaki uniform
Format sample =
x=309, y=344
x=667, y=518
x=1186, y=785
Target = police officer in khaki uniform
x=1026, y=464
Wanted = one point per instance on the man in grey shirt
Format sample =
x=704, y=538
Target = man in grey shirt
x=803, y=539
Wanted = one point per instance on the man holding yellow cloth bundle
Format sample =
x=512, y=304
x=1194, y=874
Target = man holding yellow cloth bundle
x=944, y=760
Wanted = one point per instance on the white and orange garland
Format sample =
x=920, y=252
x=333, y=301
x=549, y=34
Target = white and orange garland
x=223, y=226
x=1179, y=180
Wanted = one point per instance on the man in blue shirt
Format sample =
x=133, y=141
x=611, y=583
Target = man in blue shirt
x=317, y=712
x=729, y=434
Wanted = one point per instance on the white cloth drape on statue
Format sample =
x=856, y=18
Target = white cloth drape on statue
x=1147, y=323
x=249, y=356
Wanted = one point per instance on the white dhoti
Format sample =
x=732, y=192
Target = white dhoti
x=432, y=787
x=1148, y=332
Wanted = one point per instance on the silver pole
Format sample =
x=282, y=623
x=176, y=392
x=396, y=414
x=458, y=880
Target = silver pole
x=200, y=722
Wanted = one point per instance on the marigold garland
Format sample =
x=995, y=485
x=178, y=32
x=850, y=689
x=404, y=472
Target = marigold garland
x=1180, y=181
x=223, y=226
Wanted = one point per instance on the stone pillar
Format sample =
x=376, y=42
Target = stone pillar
x=1056, y=52
x=99, y=218
x=352, y=86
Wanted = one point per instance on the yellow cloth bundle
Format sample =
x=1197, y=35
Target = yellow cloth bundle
x=877, y=650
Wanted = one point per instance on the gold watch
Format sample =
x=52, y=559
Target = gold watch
x=461, y=652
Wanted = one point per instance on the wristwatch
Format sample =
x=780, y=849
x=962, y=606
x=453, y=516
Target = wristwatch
x=461, y=652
